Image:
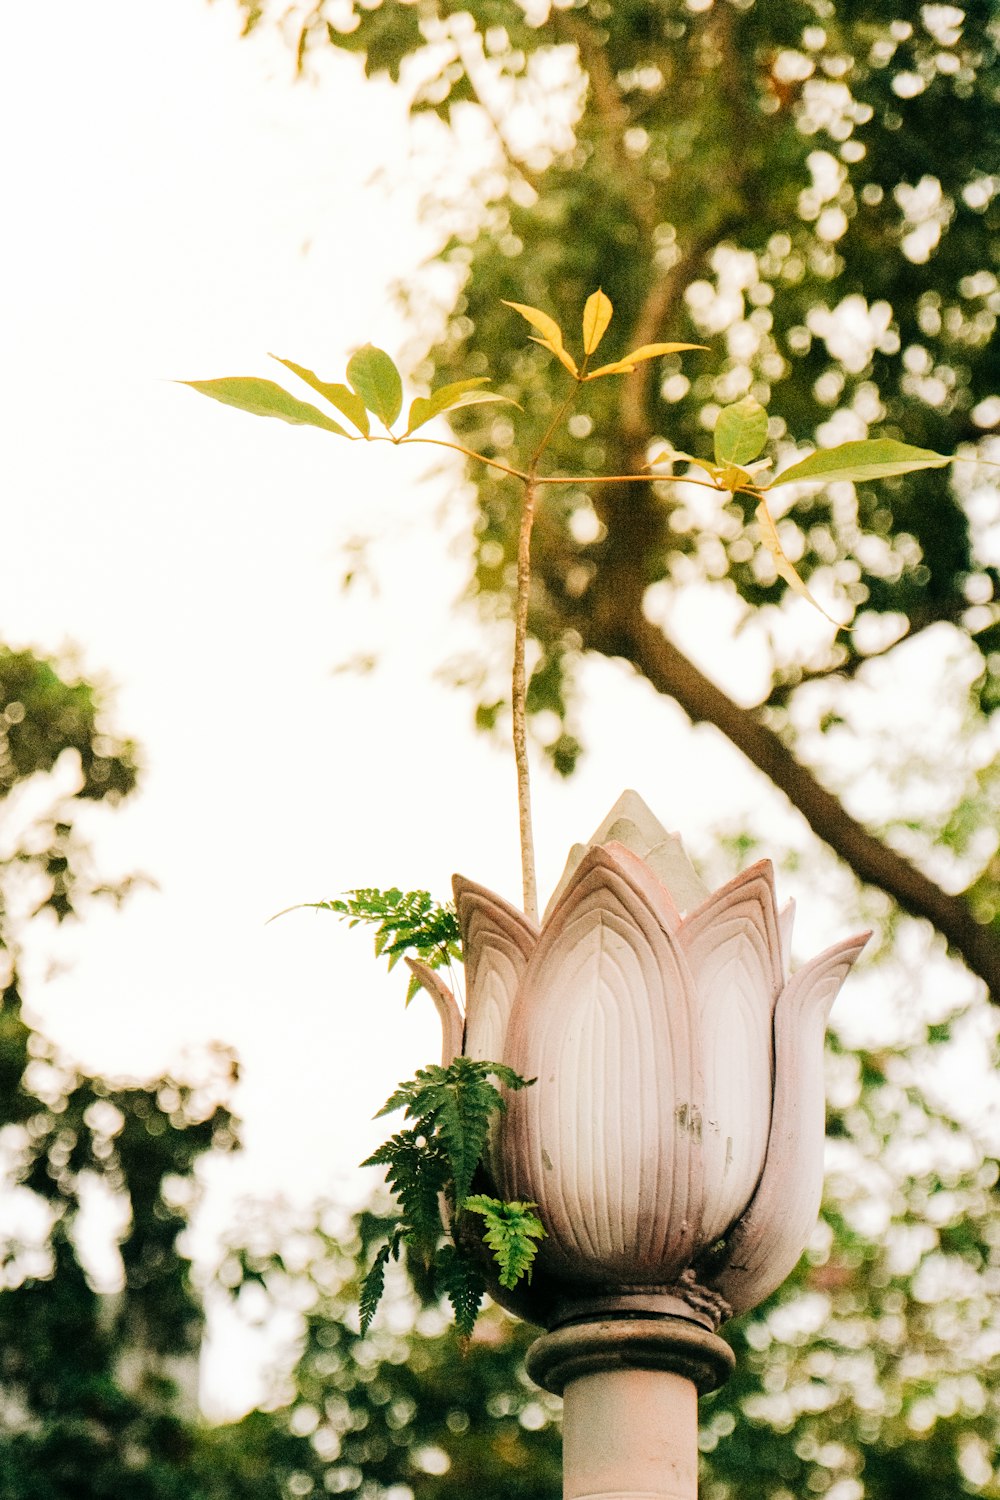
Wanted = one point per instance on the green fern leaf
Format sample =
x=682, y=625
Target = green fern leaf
x=404, y=1095
x=512, y=1233
x=434, y=1160
x=373, y=1286
x=417, y=1171
x=506, y=1076
x=406, y=922
x=467, y=1103
x=383, y=1156
x=462, y=1282
x=454, y=1106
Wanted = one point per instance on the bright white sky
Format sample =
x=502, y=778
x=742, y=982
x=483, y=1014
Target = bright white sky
x=176, y=208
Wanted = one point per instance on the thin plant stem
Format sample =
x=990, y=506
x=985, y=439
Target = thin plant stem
x=581, y=479
x=491, y=463
x=518, y=696
x=561, y=412
x=519, y=684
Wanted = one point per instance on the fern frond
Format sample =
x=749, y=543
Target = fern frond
x=405, y=1095
x=373, y=1286
x=462, y=1282
x=417, y=1171
x=406, y=922
x=433, y=1162
x=454, y=1105
x=512, y=1233
x=468, y=1101
x=507, y=1076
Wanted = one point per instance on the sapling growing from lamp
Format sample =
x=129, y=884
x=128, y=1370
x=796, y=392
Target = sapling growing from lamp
x=439, y=1164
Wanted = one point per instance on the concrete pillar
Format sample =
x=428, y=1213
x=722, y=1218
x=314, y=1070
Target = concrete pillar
x=630, y=1390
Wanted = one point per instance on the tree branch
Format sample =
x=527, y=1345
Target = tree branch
x=532, y=179
x=920, y=620
x=610, y=618
x=658, y=309
x=612, y=115
x=617, y=627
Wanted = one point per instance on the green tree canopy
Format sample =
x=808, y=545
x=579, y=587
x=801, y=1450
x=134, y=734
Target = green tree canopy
x=811, y=188
x=98, y=1384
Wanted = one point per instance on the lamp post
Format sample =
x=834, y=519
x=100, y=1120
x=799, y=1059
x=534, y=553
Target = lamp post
x=672, y=1141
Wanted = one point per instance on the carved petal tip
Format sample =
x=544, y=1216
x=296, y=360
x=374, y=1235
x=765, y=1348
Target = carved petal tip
x=765, y=1245
x=497, y=941
x=631, y=823
x=446, y=1006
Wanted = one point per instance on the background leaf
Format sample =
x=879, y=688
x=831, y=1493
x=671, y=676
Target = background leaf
x=628, y=362
x=871, y=458
x=449, y=398
x=377, y=381
x=263, y=398
x=340, y=396
x=596, y=317
x=740, y=432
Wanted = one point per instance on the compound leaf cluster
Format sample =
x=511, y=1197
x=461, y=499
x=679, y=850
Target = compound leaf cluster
x=430, y=1166
x=406, y=922
x=452, y=1107
x=461, y=1280
x=512, y=1233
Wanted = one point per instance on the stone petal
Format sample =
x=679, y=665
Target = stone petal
x=631, y=823
x=733, y=946
x=766, y=1243
x=446, y=1006
x=786, y=921
x=654, y=892
x=607, y=1141
x=497, y=941
x=670, y=864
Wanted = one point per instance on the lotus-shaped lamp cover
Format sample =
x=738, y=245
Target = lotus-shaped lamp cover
x=673, y=1137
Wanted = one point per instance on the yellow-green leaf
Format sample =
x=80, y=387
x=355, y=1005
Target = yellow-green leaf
x=870, y=458
x=551, y=333
x=596, y=317
x=450, y=398
x=626, y=365
x=560, y=353
x=782, y=566
x=740, y=432
x=547, y=327
x=347, y=402
x=734, y=479
x=377, y=381
x=674, y=455
x=262, y=398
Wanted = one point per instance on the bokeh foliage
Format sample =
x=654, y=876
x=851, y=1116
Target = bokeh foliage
x=809, y=186
x=97, y=1382
x=871, y=1373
